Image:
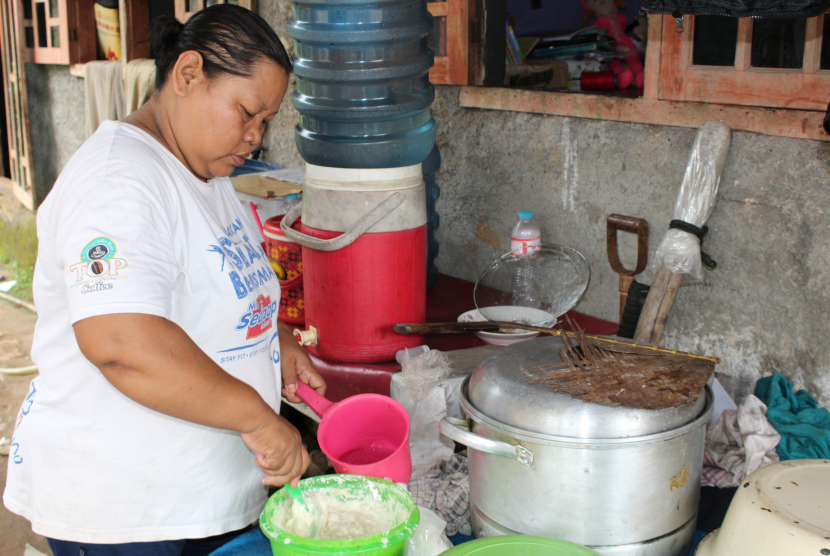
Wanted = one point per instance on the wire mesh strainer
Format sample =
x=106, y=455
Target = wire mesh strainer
x=533, y=288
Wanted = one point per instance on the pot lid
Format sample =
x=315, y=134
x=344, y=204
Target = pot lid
x=499, y=389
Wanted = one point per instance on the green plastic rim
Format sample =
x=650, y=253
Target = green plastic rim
x=389, y=491
x=524, y=545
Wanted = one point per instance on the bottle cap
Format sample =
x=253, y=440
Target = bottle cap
x=525, y=214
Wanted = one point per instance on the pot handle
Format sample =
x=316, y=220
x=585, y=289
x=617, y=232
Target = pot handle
x=366, y=222
x=458, y=430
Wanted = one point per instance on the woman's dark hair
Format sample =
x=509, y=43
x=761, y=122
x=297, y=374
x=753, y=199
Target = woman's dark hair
x=231, y=39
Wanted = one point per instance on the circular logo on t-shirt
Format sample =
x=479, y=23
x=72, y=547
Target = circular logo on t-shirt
x=98, y=252
x=99, y=249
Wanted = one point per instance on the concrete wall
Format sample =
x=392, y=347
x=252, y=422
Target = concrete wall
x=763, y=310
x=56, y=118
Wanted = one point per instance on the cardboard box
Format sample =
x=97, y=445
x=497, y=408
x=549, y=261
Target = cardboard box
x=538, y=74
x=273, y=183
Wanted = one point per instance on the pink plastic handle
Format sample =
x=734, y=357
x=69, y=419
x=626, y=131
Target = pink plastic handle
x=312, y=399
x=258, y=221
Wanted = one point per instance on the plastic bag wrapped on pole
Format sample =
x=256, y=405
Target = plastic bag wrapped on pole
x=679, y=252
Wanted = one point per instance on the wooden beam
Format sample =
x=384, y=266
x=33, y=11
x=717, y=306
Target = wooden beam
x=83, y=48
x=674, y=59
x=25, y=199
x=653, y=48
x=438, y=9
x=812, y=44
x=458, y=41
x=743, y=49
x=439, y=73
x=135, y=30
x=800, y=124
x=768, y=87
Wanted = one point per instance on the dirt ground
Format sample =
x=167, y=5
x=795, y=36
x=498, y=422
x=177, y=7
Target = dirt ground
x=17, y=326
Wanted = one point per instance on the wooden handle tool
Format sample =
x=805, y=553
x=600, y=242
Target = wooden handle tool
x=615, y=223
x=611, y=344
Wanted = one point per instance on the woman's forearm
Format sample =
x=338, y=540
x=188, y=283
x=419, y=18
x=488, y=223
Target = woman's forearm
x=154, y=362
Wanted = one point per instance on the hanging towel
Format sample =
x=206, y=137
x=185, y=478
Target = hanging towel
x=742, y=441
x=445, y=489
x=139, y=84
x=804, y=427
x=104, y=93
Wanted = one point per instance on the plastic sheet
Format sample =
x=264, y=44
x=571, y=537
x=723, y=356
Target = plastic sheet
x=679, y=252
x=429, y=539
x=428, y=388
x=426, y=404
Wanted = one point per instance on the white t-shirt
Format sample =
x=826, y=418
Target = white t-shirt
x=128, y=229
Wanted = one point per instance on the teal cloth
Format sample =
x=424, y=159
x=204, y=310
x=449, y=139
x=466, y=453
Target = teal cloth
x=804, y=427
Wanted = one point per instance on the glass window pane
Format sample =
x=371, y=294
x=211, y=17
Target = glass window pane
x=437, y=38
x=27, y=9
x=715, y=41
x=53, y=8
x=55, y=33
x=41, y=25
x=778, y=43
x=825, y=45
x=30, y=37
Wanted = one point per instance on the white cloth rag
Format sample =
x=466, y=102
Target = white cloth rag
x=445, y=489
x=139, y=83
x=103, y=92
x=741, y=442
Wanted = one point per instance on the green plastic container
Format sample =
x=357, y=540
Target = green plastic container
x=390, y=543
x=520, y=545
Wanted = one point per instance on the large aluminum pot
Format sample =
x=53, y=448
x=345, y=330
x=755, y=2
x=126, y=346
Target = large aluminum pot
x=621, y=481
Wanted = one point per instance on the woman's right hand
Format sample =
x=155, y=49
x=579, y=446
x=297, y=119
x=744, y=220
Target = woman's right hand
x=280, y=452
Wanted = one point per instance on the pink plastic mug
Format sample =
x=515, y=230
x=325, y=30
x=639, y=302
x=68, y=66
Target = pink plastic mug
x=367, y=434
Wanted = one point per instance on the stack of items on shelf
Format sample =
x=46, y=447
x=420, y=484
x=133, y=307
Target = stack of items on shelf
x=581, y=51
x=589, y=42
x=609, y=53
x=531, y=74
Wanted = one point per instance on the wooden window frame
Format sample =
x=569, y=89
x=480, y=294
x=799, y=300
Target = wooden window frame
x=13, y=41
x=49, y=54
x=134, y=16
x=651, y=108
x=474, y=38
x=183, y=15
x=76, y=22
x=741, y=84
x=454, y=68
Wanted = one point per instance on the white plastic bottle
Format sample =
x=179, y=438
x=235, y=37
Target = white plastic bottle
x=291, y=201
x=525, y=238
x=525, y=241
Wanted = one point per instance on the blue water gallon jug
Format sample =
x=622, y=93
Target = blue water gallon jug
x=363, y=89
x=430, y=168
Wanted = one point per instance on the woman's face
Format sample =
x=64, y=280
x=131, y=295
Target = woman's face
x=218, y=123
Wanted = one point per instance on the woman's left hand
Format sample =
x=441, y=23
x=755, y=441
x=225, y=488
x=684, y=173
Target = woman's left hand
x=296, y=365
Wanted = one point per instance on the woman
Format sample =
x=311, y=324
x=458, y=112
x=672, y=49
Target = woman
x=154, y=419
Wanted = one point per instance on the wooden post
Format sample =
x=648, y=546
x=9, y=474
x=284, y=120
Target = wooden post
x=657, y=307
